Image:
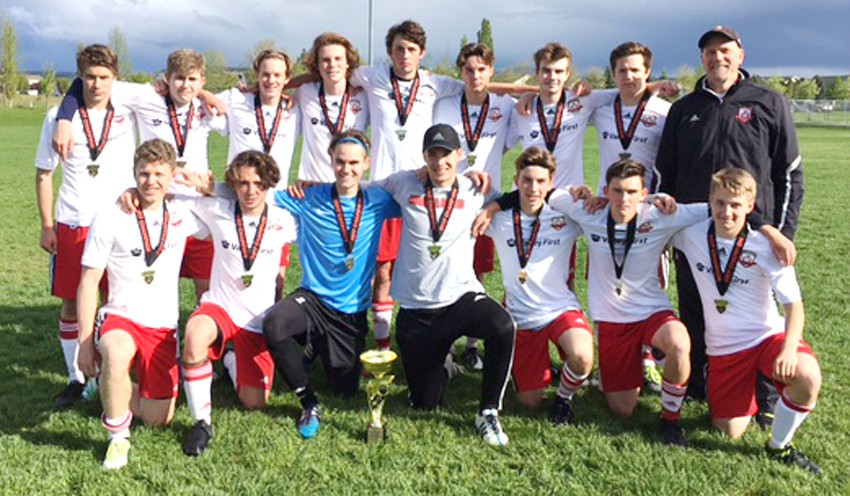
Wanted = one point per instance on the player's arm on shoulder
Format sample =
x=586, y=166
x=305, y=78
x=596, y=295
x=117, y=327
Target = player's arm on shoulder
x=783, y=248
x=301, y=80
x=512, y=89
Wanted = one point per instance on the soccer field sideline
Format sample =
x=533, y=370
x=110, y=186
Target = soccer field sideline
x=258, y=452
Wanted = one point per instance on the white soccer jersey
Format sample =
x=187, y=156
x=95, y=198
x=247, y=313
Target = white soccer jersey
x=750, y=314
x=487, y=155
x=243, y=131
x=315, y=160
x=153, y=121
x=244, y=303
x=146, y=295
x=641, y=294
x=90, y=185
x=568, y=150
x=420, y=281
x=644, y=145
x=545, y=294
x=391, y=153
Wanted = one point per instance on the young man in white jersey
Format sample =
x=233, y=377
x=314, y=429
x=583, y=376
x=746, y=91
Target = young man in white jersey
x=141, y=253
x=534, y=244
x=178, y=118
x=435, y=284
x=97, y=169
x=482, y=119
x=738, y=276
x=249, y=238
x=328, y=105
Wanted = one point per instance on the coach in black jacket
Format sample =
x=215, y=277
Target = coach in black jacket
x=728, y=121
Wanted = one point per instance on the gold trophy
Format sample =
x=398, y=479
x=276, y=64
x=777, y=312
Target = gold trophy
x=378, y=363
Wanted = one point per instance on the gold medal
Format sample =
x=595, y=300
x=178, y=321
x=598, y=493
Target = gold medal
x=181, y=163
x=401, y=133
x=247, y=279
x=349, y=262
x=721, y=305
x=148, y=276
x=470, y=160
x=93, y=169
x=625, y=156
x=435, y=251
x=618, y=288
x=522, y=276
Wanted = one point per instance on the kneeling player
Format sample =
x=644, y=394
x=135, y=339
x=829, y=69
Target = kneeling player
x=141, y=253
x=534, y=244
x=338, y=235
x=249, y=238
x=735, y=271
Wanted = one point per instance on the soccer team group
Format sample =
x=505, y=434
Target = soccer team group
x=717, y=175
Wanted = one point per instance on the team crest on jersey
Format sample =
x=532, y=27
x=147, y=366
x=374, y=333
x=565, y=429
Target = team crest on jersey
x=650, y=120
x=558, y=222
x=535, y=134
x=355, y=106
x=745, y=114
x=119, y=119
x=495, y=115
x=176, y=222
x=225, y=244
x=645, y=228
x=275, y=226
x=574, y=106
x=136, y=252
x=314, y=121
x=748, y=258
x=246, y=131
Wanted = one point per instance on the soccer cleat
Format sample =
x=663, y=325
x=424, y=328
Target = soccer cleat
x=671, y=432
x=72, y=393
x=116, y=453
x=652, y=379
x=472, y=359
x=487, y=423
x=453, y=369
x=198, y=439
x=561, y=412
x=308, y=424
x=764, y=420
x=791, y=456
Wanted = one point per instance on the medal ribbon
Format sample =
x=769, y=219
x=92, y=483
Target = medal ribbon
x=249, y=254
x=532, y=240
x=472, y=138
x=626, y=135
x=723, y=279
x=179, y=138
x=152, y=253
x=630, y=239
x=96, y=147
x=551, y=137
x=404, y=112
x=336, y=127
x=438, y=228
x=348, y=237
x=266, y=137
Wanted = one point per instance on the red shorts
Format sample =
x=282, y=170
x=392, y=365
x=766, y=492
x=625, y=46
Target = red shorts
x=65, y=265
x=156, y=356
x=284, y=256
x=197, y=259
x=254, y=364
x=390, y=239
x=484, y=255
x=531, y=351
x=732, y=378
x=620, y=354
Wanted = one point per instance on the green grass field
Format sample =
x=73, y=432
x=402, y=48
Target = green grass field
x=44, y=452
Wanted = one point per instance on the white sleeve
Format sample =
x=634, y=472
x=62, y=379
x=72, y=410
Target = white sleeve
x=562, y=201
x=131, y=94
x=99, y=241
x=45, y=157
x=361, y=76
x=600, y=98
x=783, y=279
x=447, y=86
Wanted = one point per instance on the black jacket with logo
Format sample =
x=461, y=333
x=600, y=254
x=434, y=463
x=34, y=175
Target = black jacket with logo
x=750, y=128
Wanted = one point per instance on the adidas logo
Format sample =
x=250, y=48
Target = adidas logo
x=694, y=118
x=439, y=136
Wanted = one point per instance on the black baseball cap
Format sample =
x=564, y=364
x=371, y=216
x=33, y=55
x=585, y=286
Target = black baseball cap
x=723, y=31
x=441, y=136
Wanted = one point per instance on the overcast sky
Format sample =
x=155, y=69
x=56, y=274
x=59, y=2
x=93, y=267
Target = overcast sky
x=785, y=37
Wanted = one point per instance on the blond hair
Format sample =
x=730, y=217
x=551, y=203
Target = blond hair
x=739, y=182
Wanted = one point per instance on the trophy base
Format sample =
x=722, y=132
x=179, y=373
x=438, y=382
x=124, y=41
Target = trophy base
x=376, y=434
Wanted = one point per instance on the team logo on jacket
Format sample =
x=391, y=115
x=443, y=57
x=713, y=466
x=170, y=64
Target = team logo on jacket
x=495, y=115
x=748, y=258
x=649, y=120
x=558, y=222
x=574, y=106
x=745, y=114
x=644, y=228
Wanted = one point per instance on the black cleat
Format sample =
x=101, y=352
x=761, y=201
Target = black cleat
x=764, y=420
x=561, y=412
x=471, y=359
x=72, y=393
x=791, y=456
x=671, y=432
x=198, y=439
